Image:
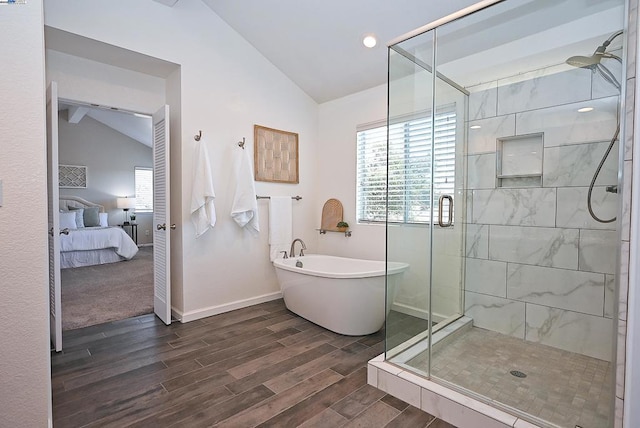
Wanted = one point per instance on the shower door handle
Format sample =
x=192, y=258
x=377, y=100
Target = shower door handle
x=441, y=209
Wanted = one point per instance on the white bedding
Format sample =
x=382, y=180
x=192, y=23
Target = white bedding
x=74, y=259
x=97, y=238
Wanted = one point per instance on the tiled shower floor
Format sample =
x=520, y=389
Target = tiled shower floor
x=561, y=387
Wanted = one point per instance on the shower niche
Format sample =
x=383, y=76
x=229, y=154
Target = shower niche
x=519, y=161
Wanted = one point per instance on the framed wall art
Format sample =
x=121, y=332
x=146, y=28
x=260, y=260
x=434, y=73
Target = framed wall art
x=275, y=155
x=72, y=176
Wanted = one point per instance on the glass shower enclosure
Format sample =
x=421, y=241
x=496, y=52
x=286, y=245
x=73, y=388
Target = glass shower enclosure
x=502, y=167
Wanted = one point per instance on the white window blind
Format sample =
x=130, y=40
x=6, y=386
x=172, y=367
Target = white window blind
x=144, y=189
x=409, y=162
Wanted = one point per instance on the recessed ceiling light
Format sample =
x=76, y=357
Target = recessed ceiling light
x=369, y=40
x=585, y=109
x=475, y=127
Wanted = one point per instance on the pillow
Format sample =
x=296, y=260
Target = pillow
x=104, y=219
x=68, y=220
x=79, y=216
x=91, y=217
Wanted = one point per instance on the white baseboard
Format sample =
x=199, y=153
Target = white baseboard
x=416, y=312
x=215, y=310
x=150, y=244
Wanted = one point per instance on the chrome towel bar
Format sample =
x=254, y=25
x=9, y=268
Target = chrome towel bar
x=297, y=198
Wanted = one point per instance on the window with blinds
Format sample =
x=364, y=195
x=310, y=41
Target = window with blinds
x=144, y=189
x=409, y=165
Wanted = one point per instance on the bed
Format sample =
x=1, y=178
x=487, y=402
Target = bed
x=94, y=243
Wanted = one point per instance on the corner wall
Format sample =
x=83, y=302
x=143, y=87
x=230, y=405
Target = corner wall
x=25, y=388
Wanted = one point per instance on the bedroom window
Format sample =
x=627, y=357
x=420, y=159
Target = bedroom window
x=409, y=167
x=144, y=189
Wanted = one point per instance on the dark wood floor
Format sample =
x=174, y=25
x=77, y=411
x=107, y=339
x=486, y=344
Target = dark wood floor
x=257, y=366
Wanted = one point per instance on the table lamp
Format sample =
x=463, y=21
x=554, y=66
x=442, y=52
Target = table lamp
x=126, y=204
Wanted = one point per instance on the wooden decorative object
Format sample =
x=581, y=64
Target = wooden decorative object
x=332, y=213
x=275, y=155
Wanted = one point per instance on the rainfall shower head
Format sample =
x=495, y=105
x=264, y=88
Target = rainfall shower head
x=592, y=61
x=584, y=61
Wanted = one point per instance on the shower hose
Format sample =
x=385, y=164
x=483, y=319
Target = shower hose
x=595, y=176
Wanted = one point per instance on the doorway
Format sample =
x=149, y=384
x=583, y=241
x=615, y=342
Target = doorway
x=152, y=82
x=115, y=147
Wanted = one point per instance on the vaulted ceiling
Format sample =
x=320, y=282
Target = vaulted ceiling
x=319, y=46
x=135, y=126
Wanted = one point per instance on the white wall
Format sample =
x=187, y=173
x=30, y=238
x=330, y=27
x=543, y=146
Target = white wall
x=226, y=88
x=110, y=158
x=91, y=82
x=25, y=383
x=337, y=171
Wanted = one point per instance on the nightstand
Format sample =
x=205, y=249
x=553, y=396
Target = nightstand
x=133, y=232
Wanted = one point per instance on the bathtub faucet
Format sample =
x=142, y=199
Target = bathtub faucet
x=293, y=245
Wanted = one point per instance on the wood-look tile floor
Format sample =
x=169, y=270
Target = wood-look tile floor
x=258, y=366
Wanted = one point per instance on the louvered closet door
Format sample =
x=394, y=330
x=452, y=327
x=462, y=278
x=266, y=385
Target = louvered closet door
x=161, y=219
x=53, y=206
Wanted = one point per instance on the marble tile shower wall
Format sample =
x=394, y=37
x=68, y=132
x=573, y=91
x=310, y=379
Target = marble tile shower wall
x=538, y=266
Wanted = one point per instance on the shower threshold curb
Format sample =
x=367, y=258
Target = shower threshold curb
x=438, y=400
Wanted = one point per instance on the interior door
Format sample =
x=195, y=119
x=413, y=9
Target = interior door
x=161, y=218
x=53, y=193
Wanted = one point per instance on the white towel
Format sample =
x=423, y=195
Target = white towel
x=203, y=212
x=244, y=209
x=280, y=225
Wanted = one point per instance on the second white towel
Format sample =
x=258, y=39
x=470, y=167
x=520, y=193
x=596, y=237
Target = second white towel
x=280, y=225
x=244, y=209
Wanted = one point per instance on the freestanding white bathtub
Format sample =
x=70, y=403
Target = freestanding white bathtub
x=344, y=295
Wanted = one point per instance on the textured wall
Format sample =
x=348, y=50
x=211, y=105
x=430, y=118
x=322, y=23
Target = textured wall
x=24, y=367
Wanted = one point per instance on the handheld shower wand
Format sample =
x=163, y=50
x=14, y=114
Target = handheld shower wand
x=593, y=63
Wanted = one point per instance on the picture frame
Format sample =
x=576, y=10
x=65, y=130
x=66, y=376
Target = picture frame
x=72, y=176
x=275, y=155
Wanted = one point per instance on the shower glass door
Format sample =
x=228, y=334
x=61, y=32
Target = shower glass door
x=409, y=184
x=424, y=184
